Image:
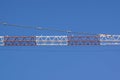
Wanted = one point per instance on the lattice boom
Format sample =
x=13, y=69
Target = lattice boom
x=59, y=40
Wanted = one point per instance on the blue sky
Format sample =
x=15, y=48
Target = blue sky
x=60, y=62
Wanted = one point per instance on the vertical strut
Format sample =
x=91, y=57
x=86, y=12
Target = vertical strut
x=1, y=40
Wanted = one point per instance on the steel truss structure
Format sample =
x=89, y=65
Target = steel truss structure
x=109, y=39
x=100, y=39
x=51, y=40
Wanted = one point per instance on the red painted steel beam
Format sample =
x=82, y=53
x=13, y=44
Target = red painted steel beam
x=19, y=41
x=83, y=40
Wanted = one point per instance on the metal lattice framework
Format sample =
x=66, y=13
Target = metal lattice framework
x=19, y=41
x=109, y=39
x=60, y=40
x=83, y=40
x=51, y=40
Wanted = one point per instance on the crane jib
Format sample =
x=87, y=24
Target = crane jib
x=60, y=40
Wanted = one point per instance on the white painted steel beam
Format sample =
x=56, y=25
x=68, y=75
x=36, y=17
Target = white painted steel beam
x=109, y=39
x=51, y=40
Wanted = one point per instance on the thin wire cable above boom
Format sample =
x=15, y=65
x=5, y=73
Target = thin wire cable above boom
x=44, y=28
